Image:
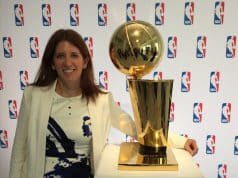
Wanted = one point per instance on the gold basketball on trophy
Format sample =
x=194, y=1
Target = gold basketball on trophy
x=136, y=48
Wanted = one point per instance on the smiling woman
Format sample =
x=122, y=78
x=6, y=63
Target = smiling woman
x=69, y=64
x=63, y=111
x=66, y=51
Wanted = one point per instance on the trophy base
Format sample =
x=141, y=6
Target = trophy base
x=131, y=159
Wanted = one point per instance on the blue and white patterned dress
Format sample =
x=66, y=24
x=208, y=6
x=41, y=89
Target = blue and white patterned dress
x=69, y=137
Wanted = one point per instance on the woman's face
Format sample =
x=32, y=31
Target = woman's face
x=68, y=63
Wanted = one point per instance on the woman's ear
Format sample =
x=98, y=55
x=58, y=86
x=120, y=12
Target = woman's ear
x=53, y=67
x=85, y=63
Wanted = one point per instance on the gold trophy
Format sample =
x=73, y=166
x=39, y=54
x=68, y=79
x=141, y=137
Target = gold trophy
x=135, y=49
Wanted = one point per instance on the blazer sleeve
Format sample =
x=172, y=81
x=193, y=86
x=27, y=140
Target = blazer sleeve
x=19, y=149
x=120, y=119
x=176, y=141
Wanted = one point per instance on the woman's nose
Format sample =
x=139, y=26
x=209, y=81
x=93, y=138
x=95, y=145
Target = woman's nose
x=67, y=61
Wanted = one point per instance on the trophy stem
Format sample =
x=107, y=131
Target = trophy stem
x=151, y=106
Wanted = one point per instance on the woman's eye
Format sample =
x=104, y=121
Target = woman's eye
x=60, y=56
x=76, y=55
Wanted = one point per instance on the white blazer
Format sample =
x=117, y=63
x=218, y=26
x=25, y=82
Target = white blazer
x=28, y=152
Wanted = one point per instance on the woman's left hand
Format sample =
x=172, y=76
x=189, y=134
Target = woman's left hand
x=191, y=146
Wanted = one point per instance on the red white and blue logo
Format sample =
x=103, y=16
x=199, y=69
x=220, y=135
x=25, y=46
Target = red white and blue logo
x=210, y=144
x=157, y=75
x=214, y=81
x=159, y=13
x=188, y=13
x=7, y=47
x=185, y=81
x=34, y=47
x=46, y=15
x=3, y=139
x=19, y=16
x=12, y=107
x=197, y=112
x=219, y=12
x=103, y=80
x=226, y=113
x=23, y=79
x=222, y=171
x=130, y=12
x=236, y=145
x=201, y=46
x=231, y=46
x=1, y=81
x=172, y=113
x=89, y=42
x=74, y=14
x=172, y=47
x=102, y=14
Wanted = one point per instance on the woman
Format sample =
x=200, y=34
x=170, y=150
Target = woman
x=65, y=118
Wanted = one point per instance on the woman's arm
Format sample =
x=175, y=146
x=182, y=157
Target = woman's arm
x=125, y=124
x=188, y=144
x=120, y=119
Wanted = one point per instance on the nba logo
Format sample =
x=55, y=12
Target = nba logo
x=1, y=81
x=103, y=80
x=7, y=47
x=130, y=12
x=201, y=46
x=172, y=47
x=185, y=81
x=159, y=13
x=219, y=12
x=210, y=144
x=236, y=145
x=188, y=13
x=23, y=79
x=12, y=106
x=102, y=14
x=46, y=14
x=18, y=11
x=3, y=139
x=214, y=81
x=34, y=47
x=89, y=43
x=222, y=171
x=171, y=114
x=157, y=75
x=226, y=113
x=231, y=46
x=74, y=14
x=197, y=112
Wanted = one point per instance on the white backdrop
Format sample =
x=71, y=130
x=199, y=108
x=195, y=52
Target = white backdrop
x=200, y=39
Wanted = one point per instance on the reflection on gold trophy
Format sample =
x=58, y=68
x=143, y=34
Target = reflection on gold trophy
x=135, y=49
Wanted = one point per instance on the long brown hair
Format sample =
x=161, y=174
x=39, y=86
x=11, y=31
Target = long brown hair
x=46, y=75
